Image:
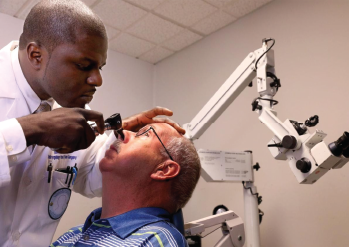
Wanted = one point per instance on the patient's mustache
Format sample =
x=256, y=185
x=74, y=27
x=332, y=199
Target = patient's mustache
x=117, y=145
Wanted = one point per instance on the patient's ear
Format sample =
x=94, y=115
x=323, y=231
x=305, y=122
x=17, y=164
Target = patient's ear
x=167, y=170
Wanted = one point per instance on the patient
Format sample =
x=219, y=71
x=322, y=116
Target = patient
x=146, y=177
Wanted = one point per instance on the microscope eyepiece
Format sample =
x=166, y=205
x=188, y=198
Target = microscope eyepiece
x=340, y=146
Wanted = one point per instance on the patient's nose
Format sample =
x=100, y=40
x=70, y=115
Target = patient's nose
x=129, y=135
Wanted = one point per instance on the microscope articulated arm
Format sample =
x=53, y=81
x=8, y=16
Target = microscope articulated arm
x=225, y=95
x=231, y=89
x=308, y=156
x=231, y=224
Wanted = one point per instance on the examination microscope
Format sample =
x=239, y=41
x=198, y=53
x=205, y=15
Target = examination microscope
x=308, y=156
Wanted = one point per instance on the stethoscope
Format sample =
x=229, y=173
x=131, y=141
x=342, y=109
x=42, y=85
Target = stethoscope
x=59, y=200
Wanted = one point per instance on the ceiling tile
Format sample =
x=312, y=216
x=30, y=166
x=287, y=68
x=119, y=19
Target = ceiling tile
x=219, y=3
x=181, y=40
x=147, y=4
x=156, y=55
x=130, y=45
x=154, y=29
x=185, y=12
x=213, y=22
x=89, y=2
x=118, y=14
x=11, y=7
x=111, y=32
x=240, y=8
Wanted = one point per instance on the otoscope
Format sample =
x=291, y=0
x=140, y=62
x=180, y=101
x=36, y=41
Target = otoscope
x=114, y=122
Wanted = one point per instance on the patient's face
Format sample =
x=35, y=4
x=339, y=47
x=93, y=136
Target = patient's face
x=137, y=155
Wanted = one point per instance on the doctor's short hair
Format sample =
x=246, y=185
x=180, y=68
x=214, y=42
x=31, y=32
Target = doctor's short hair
x=184, y=153
x=54, y=22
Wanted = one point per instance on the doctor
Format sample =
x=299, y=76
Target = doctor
x=57, y=62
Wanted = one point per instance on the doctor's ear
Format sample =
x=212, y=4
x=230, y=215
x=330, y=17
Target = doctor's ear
x=35, y=55
x=167, y=170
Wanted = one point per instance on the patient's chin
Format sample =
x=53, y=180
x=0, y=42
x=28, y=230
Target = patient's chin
x=106, y=164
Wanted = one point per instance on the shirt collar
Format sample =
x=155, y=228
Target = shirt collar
x=125, y=224
x=33, y=101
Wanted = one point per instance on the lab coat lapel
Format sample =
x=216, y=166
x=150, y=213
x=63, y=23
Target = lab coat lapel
x=9, y=93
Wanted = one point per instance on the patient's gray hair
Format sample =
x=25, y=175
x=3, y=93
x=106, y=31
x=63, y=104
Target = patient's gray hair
x=184, y=153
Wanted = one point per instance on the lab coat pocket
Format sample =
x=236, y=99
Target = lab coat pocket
x=56, y=196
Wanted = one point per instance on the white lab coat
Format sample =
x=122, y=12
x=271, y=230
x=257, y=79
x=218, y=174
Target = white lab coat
x=24, y=187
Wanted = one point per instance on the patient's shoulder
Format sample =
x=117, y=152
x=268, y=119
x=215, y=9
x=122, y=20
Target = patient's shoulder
x=163, y=233
x=74, y=232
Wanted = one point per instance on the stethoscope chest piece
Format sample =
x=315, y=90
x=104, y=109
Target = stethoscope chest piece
x=58, y=203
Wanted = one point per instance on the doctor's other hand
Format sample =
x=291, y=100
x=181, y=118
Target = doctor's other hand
x=136, y=122
x=64, y=129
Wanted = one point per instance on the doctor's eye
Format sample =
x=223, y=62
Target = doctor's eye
x=82, y=67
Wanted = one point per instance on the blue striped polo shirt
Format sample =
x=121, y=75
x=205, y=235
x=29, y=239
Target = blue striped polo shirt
x=140, y=227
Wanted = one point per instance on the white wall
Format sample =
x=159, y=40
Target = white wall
x=127, y=89
x=311, y=55
x=11, y=29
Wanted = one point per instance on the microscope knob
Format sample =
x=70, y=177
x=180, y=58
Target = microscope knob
x=304, y=165
x=289, y=142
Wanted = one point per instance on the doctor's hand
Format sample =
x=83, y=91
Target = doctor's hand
x=136, y=122
x=64, y=129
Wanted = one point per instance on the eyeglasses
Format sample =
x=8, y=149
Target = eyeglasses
x=145, y=130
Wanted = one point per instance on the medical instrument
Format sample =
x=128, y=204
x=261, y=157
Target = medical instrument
x=49, y=169
x=114, y=122
x=75, y=172
x=231, y=224
x=70, y=171
x=230, y=166
x=59, y=200
x=308, y=156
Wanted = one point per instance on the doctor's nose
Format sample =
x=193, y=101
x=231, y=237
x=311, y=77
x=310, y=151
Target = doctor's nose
x=95, y=78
